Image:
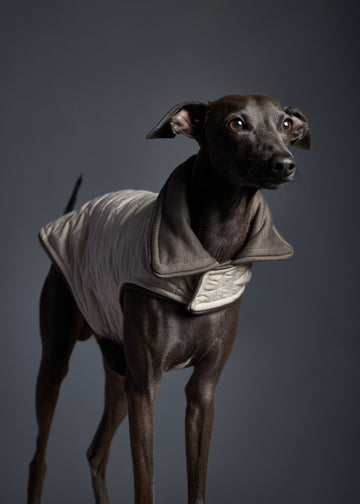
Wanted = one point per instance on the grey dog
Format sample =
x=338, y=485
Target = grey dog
x=157, y=279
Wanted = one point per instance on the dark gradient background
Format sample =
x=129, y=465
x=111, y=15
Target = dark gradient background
x=81, y=85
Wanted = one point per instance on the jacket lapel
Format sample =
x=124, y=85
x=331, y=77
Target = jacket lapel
x=174, y=248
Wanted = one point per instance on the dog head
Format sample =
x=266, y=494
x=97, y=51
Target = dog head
x=245, y=137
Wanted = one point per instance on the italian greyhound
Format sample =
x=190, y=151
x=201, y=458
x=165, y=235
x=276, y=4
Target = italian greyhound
x=244, y=147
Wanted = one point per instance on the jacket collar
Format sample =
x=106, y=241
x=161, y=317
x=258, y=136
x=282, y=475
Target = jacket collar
x=175, y=250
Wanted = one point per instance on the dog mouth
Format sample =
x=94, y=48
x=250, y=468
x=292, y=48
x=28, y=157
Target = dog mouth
x=261, y=180
x=269, y=183
x=279, y=182
x=272, y=186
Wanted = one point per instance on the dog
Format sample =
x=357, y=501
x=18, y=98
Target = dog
x=194, y=246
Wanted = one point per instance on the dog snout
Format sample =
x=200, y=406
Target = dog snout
x=283, y=166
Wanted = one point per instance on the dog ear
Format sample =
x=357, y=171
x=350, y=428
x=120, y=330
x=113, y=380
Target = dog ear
x=301, y=135
x=187, y=118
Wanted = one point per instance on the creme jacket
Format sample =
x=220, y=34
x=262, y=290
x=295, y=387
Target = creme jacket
x=145, y=239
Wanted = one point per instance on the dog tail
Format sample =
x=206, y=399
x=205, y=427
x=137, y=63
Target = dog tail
x=72, y=200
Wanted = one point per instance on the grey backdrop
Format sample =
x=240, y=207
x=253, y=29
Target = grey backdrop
x=81, y=84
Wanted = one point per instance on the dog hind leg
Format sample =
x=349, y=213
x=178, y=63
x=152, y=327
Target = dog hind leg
x=115, y=411
x=61, y=324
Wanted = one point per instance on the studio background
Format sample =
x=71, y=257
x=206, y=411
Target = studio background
x=81, y=85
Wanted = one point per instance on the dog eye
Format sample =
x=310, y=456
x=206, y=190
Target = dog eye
x=236, y=124
x=286, y=126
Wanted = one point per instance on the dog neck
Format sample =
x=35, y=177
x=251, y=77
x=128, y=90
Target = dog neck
x=220, y=211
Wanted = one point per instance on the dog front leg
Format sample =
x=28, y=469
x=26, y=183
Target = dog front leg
x=199, y=424
x=141, y=400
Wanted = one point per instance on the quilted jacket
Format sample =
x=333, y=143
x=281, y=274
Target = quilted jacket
x=145, y=239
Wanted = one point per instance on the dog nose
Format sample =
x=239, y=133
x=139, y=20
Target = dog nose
x=283, y=166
